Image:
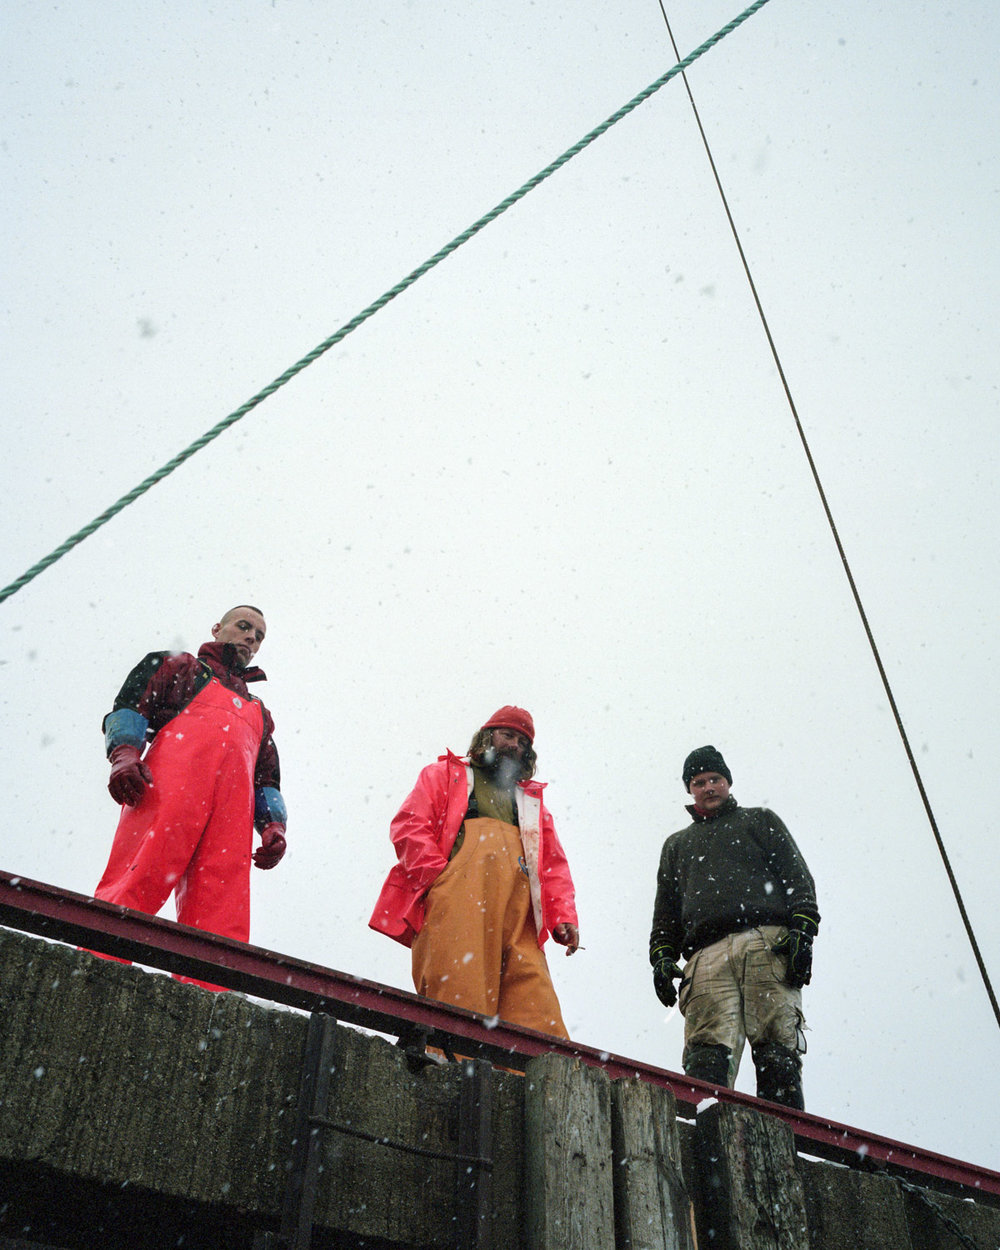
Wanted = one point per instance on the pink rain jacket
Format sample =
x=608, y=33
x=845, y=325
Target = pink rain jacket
x=424, y=831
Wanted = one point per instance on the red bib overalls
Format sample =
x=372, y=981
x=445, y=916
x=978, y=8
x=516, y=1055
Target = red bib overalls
x=192, y=831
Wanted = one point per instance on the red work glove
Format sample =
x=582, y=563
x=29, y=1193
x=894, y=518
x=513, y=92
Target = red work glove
x=129, y=776
x=272, y=845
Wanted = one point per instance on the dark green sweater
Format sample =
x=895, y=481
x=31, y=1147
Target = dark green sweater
x=731, y=871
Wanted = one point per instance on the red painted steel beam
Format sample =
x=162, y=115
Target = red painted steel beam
x=35, y=907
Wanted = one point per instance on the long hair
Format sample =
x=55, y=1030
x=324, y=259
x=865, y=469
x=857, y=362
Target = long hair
x=482, y=740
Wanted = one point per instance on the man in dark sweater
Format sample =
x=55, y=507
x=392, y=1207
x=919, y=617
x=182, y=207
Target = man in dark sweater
x=735, y=897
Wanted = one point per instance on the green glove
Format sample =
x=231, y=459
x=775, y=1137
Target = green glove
x=797, y=947
x=665, y=969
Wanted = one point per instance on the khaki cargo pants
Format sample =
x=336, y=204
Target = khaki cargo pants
x=734, y=992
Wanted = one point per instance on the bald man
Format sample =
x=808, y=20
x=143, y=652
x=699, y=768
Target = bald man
x=210, y=775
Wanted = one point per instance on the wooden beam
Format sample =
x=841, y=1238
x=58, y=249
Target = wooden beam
x=652, y=1207
x=569, y=1188
x=751, y=1192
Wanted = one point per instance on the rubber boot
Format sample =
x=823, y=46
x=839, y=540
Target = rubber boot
x=779, y=1075
x=708, y=1063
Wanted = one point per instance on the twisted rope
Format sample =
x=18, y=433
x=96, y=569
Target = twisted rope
x=372, y=308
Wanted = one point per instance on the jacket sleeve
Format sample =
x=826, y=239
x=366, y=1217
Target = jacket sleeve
x=668, y=924
x=786, y=862
x=144, y=700
x=557, y=883
x=267, y=771
x=418, y=827
x=269, y=806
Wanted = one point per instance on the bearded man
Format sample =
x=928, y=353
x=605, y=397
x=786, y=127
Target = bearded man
x=482, y=880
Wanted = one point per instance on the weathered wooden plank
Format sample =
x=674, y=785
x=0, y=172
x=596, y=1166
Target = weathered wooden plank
x=927, y=1214
x=852, y=1210
x=147, y=1104
x=115, y=1076
x=474, y=1193
x=569, y=1188
x=376, y=1190
x=162, y=1092
x=751, y=1195
x=652, y=1208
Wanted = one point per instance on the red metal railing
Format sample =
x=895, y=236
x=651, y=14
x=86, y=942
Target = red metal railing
x=35, y=907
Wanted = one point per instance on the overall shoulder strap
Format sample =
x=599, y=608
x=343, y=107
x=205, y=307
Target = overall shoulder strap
x=472, y=811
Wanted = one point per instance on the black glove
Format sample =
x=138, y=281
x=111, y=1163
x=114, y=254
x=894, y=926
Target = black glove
x=665, y=969
x=797, y=947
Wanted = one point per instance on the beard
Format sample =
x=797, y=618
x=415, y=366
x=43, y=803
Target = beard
x=504, y=766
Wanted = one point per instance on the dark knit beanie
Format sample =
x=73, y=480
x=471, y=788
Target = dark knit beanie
x=704, y=760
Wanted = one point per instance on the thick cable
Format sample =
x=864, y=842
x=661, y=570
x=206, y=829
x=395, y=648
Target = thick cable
x=373, y=308
x=914, y=767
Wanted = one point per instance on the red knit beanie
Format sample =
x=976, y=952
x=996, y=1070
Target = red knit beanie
x=515, y=718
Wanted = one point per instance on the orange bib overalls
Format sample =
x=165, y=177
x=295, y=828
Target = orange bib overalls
x=478, y=947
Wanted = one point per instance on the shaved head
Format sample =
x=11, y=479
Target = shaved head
x=240, y=607
x=244, y=627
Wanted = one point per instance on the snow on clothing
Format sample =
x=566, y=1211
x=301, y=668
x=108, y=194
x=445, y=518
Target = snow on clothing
x=734, y=869
x=424, y=831
x=727, y=888
x=192, y=830
x=161, y=685
x=734, y=991
x=477, y=916
x=495, y=966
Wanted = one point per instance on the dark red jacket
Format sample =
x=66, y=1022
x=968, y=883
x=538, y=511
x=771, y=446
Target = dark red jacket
x=162, y=684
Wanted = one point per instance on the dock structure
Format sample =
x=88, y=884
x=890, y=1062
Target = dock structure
x=140, y=1112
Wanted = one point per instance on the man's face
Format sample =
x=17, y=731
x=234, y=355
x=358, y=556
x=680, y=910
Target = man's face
x=709, y=791
x=511, y=743
x=245, y=629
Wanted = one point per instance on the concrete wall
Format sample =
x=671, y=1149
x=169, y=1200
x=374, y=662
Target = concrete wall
x=138, y=1112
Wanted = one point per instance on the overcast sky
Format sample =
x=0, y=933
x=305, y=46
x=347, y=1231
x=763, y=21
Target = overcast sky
x=560, y=471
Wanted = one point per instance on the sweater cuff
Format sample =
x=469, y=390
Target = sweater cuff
x=660, y=950
x=806, y=921
x=269, y=807
x=124, y=728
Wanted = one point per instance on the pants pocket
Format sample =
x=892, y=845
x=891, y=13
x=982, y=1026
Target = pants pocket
x=449, y=868
x=800, y=1033
x=772, y=935
x=684, y=990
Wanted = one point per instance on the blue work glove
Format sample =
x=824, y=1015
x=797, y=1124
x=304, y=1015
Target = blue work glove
x=272, y=846
x=797, y=947
x=665, y=970
x=129, y=776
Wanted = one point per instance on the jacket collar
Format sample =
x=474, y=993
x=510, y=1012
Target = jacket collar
x=730, y=805
x=223, y=658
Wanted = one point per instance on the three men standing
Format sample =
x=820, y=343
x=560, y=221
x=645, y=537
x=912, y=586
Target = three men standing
x=210, y=775
x=734, y=895
x=482, y=880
